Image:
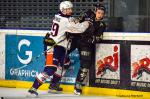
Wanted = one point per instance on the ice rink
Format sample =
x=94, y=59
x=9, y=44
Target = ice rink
x=13, y=93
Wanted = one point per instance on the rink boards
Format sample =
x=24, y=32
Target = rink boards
x=121, y=65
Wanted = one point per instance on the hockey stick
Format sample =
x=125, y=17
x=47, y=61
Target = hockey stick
x=63, y=71
x=35, y=58
x=66, y=52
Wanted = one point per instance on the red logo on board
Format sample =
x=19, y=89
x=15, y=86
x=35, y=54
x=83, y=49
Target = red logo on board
x=109, y=62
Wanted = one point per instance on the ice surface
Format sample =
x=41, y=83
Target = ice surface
x=17, y=93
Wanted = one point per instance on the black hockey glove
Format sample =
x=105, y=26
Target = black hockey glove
x=87, y=16
x=48, y=41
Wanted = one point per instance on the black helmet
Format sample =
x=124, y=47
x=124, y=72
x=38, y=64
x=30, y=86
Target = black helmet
x=100, y=7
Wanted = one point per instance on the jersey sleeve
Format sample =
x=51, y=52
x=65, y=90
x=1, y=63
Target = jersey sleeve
x=75, y=27
x=101, y=28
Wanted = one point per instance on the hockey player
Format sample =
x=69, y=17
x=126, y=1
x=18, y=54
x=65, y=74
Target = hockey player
x=54, y=86
x=62, y=23
x=87, y=44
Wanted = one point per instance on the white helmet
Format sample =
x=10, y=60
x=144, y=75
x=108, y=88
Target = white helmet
x=65, y=5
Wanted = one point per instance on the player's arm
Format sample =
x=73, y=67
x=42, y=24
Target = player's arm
x=75, y=27
x=99, y=35
x=47, y=40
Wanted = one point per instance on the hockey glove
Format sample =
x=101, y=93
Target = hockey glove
x=48, y=41
x=89, y=16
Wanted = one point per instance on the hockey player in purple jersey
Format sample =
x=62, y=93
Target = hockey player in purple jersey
x=62, y=23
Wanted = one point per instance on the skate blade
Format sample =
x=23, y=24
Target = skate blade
x=77, y=93
x=54, y=92
x=32, y=96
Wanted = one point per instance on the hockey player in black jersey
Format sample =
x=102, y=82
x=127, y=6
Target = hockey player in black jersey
x=86, y=43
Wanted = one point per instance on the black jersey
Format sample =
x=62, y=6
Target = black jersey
x=94, y=32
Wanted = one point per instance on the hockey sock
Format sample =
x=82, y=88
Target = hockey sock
x=81, y=74
x=41, y=78
x=36, y=84
x=56, y=79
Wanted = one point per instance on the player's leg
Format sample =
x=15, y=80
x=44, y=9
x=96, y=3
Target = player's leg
x=85, y=61
x=56, y=77
x=55, y=82
x=49, y=70
x=41, y=78
x=79, y=80
x=54, y=86
x=49, y=62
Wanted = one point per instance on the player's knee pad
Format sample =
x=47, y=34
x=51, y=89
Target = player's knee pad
x=82, y=74
x=85, y=64
x=42, y=77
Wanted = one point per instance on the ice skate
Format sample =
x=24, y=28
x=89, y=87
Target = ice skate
x=32, y=92
x=55, y=88
x=77, y=91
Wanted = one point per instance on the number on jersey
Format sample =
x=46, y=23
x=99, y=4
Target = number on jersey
x=55, y=28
